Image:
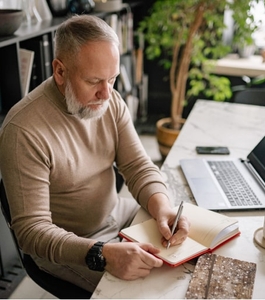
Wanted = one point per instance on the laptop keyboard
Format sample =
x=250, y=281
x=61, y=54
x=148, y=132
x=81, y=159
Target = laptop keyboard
x=233, y=184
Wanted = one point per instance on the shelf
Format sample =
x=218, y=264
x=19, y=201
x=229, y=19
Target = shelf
x=233, y=65
x=30, y=36
x=26, y=31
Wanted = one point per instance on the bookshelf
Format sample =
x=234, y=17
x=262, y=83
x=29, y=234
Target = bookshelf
x=38, y=38
x=24, y=38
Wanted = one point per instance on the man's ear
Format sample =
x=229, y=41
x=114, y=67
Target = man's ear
x=58, y=71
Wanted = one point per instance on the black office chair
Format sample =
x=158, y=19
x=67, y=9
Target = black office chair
x=55, y=286
x=255, y=96
x=119, y=179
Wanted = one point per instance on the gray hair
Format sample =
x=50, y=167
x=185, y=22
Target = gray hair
x=73, y=33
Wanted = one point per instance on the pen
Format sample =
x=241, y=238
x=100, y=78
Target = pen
x=176, y=222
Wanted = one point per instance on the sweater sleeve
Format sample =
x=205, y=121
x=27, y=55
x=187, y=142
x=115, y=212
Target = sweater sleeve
x=141, y=175
x=25, y=172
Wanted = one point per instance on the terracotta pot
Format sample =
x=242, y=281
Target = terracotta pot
x=165, y=135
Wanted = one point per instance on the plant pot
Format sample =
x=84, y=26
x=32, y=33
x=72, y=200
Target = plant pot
x=246, y=51
x=166, y=136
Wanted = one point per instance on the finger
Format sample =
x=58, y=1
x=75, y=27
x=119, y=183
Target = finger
x=164, y=229
x=151, y=262
x=182, y=231
x=184, y=224
x=164, y=226
x=149, y=248
x=148, y=258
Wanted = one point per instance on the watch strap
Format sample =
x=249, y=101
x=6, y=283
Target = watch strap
x=94, y=259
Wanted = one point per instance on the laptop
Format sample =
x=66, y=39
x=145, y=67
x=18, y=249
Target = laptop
x=228, y=184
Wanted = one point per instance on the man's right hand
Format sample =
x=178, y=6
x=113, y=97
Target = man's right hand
x=130, y=260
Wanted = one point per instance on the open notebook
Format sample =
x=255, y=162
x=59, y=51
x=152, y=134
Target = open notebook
x=208, y=231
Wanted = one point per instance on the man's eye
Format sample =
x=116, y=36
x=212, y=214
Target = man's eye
x=93, y=82
x=112, y=80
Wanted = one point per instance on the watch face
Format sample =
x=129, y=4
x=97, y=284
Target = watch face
x=94, y=259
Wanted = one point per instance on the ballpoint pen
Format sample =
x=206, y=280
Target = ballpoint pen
x=176, y=222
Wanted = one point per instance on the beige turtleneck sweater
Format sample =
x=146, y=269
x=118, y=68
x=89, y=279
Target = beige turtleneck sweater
x=58, y=174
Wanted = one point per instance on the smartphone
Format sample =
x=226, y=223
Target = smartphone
x=212, y=150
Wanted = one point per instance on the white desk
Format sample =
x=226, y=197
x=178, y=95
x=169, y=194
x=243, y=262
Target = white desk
x=238, y=126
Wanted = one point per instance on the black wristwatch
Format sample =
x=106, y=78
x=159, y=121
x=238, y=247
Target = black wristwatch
x=94, y=259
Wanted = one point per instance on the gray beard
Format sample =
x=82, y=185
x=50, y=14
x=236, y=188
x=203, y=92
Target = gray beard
x=75, y=108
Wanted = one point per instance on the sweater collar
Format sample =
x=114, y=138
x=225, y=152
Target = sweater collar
x=52, y=92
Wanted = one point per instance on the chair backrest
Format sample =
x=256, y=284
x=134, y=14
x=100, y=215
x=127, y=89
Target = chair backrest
x=119, y=179
x=6, y=212
x=59, y=288
x=255, y=96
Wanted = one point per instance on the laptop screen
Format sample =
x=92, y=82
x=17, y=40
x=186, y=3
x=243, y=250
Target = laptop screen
x=257, y=158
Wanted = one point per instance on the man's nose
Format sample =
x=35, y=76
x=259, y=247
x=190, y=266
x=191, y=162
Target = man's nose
x=104, y=90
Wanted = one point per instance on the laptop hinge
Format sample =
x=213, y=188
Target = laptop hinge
x=254, y=173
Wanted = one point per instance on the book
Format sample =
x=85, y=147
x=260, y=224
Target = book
x=38, y=69
x=219, y=277
x=112, y=20
x=125, y=79
x=34, y=77
x=127, y=61
x=139, y=56
x=26, y=63
x=46, y=56
x=132, y=103
x=208, y=231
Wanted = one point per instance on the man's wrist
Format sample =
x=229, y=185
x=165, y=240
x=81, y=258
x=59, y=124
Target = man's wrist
x=94, y=258
x=156, y=203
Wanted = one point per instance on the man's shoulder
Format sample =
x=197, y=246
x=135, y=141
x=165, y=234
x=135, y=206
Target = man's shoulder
x=34, y=103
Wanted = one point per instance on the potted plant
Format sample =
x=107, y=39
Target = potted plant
x=183, y=34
